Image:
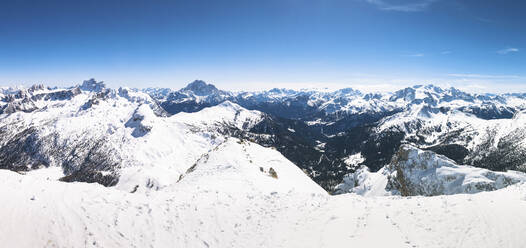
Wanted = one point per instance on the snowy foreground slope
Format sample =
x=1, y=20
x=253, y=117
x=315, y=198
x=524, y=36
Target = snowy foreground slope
x=231, y=203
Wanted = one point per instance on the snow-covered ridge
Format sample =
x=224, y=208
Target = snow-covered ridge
x=226, y=113
x=416, y=172
x=95, y=134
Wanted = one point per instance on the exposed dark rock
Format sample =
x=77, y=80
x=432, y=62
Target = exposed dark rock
x=93, y=85
x=136, y=122
x=272, y=173
x=200, y=88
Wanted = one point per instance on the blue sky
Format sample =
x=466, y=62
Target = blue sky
x=478, y=45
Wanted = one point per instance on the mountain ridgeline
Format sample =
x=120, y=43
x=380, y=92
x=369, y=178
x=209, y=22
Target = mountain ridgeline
x=319, y=130
x=84, y=128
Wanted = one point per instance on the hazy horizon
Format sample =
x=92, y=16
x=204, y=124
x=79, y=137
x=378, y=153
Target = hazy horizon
x=364, y=88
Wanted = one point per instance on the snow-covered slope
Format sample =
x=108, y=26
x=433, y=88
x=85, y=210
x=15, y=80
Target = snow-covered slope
x=230, y=203
x=229, y=194
x=96, y=134
x=416, y=172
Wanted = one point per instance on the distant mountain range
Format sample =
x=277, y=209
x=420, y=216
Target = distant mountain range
x=328, y=135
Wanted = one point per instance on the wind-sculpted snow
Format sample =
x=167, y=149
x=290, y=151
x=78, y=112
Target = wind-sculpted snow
x=416, y=172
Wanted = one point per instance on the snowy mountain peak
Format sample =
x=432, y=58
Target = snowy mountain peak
x=281, y=92
x=201, y=88
x=348, y=92
x=230, y=105
x=428, y=87
x=156, y=92
x=36, y=87
x=226, y=113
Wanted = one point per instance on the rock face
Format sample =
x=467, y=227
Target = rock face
x=28, y=100
x=415, y=172
x=200, y=88
x=92, y=85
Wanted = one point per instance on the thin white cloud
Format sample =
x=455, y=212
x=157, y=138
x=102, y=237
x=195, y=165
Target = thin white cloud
x=446, y=52
x=407, y=6
x=416, y=55
x=508, y=50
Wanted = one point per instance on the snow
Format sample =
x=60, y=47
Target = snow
x=354, y=160
x=474, y=132
x=318, y=122
x=365, y=183
x=183, y=183
x=224, y=113
x=224, y=203
x=229, y=193
x=149, y=149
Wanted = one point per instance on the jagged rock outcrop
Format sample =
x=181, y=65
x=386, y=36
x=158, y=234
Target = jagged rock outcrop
x=26, y=100
x=92, y=85
x=415, y=172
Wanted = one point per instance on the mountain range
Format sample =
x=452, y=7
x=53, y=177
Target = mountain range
x=88, y=165
x=328, y=134
x=320, y=130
